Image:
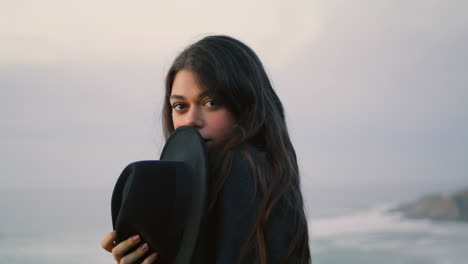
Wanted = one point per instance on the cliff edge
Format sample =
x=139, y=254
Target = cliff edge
x=437, y=207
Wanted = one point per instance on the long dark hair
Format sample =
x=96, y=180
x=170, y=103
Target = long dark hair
x=236, y=77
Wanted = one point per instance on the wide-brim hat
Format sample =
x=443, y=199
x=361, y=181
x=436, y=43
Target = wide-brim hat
x=164, y=200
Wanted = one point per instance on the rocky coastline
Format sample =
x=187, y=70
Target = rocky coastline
x=437, y=207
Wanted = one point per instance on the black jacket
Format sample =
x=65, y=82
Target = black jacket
x=226, y=229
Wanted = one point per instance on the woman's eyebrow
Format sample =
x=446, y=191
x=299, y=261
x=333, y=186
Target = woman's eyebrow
x=175, y=96
x=200, y=96
x=205, y=93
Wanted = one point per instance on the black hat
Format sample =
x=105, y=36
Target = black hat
x=164, y=200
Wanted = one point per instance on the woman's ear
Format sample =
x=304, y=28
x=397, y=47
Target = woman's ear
x=239, y=128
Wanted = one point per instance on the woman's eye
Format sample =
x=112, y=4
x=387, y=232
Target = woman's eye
x=178, y=106
x=210, y=103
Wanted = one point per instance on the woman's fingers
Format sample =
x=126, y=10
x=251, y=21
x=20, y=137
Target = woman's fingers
x=150, y=259
x=108, y=242
x=135, y=255
x=124, y=246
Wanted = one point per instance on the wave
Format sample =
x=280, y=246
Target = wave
x=376, y=236
x=378, y=219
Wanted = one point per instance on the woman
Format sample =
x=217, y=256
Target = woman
x=219, y=86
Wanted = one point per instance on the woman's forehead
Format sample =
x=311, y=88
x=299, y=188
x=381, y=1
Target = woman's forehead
x=186, y=82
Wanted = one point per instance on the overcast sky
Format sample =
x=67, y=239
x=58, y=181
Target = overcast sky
x=376, y=92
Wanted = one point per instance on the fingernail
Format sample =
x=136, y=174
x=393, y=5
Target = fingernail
x=144, y=247
x=136, y=238
x=154, y=255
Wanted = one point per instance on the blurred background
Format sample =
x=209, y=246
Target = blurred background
x=375, y=92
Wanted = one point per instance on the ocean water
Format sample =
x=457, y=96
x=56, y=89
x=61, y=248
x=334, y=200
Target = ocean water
x=364, y=233
x=374, y=236
x=52, y=248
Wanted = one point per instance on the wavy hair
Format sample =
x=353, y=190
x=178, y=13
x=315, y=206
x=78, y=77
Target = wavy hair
x=236, y=77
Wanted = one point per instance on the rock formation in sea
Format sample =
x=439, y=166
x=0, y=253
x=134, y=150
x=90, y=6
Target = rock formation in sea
x=437, y=207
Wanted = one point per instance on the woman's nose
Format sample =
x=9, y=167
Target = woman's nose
x=194, y=118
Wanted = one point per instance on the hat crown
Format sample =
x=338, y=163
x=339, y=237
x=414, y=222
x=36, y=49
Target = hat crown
x=164, y=201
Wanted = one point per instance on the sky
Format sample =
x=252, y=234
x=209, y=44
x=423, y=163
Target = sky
x=375, y=92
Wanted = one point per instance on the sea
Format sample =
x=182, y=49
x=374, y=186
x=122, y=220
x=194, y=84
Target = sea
x=67, y=226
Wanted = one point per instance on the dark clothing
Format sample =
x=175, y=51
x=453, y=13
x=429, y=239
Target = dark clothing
x=227, y=229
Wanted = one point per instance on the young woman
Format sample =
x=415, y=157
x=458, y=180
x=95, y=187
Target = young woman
x=219, y=86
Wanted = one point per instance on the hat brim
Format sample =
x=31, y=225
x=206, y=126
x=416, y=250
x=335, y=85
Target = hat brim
x=182, y=139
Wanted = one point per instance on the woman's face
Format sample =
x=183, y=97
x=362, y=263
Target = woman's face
x=192, y=106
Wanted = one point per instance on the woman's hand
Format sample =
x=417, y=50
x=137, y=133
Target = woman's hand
x=123, y=247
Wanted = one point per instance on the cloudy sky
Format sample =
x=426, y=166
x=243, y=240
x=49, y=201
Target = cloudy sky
x=375, y=91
